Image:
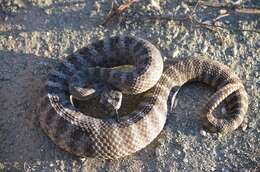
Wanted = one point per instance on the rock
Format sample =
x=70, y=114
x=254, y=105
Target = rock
x=155, y=4
x=222, y=11
x=158, y=152
x=225, y=169
x=19, y=3
x=185, y=160
x=212, y=169
x=244, y=126
x=203, y=133
x=177, y=152
x=1, y=166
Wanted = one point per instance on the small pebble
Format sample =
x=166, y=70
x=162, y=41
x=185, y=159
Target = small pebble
x=185, y=160
x=212, y=169
x=224, y=169
x=5, y=18
x=237, y=150
x=177, y=152
x=244, y=127
x=214, y=135
x=155, y=4
x=185, y=6
x=19, y=3
x=203, y=133
x=185, y=147
x=222, y=11
x=158, y=152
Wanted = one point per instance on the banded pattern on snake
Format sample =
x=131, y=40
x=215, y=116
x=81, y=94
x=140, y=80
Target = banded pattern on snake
x=87, y=136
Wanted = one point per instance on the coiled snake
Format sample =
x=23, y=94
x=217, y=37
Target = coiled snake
x=87, y=136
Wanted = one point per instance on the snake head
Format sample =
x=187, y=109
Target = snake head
x=111, y=98
x=86, y=92
x=82, y=88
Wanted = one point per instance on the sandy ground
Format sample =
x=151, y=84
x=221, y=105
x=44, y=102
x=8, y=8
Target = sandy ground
x=36, y=36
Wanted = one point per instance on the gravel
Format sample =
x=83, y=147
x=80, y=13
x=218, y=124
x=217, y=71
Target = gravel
x=34, y=36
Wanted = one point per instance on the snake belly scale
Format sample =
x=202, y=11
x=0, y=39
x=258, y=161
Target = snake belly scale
x=87, y=136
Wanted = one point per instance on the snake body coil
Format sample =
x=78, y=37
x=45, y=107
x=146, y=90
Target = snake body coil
x=87, y=136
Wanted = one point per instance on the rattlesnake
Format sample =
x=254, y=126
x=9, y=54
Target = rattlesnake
x=87, y=136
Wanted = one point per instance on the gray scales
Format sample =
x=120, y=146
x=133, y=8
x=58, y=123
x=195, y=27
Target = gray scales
x=113, y=138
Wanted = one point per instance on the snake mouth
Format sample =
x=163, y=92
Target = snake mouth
x=93, y=108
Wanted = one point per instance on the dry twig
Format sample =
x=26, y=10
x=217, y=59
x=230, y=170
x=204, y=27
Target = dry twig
x=228, y=6
x=194, y=21
x=248, y=10
x=118, y=9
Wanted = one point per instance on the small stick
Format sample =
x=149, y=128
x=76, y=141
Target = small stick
x=248, y=10
x=193, y=21
x=117, y=10
x=220, y=16
x=227, y=6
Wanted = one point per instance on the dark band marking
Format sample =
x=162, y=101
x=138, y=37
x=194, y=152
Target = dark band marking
x=61, y=127
x=142, y=52
x=128, y=43
x=113, y=45
x=64, y=69
x=50, y=115
x=75, y=135
x=138, y=46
